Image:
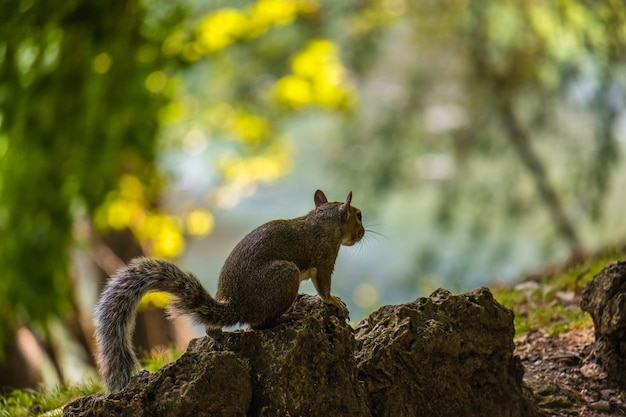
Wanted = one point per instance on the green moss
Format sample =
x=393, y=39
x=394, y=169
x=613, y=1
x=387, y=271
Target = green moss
x=551, y=303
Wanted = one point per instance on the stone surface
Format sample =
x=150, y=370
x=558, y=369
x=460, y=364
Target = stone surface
x=604, y=298
x=443, y=355
x=198, y=384
x=600, y=406
x=439, y=356
x=302, y=368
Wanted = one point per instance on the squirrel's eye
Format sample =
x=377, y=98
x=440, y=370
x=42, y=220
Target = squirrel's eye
x=358, y=216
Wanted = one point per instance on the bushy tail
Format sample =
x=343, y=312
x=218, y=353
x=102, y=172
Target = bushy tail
x=115, y=312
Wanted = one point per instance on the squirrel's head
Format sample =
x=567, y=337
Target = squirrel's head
x=350, y=217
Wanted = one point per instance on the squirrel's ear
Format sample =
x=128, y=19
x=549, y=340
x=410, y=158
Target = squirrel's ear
x=319, y=198
x=344, y=207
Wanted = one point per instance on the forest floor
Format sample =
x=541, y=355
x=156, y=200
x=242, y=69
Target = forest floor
x=565, y=379
x=555, y=342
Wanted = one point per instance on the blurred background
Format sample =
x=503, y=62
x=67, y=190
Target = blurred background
x=482, y=139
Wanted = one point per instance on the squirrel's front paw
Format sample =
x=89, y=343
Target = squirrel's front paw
x=342, y=309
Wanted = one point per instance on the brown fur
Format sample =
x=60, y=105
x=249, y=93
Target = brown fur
x=258, y=283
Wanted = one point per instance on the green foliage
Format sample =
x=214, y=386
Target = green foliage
x=75, y=115
x=85, y=91
x=468, y=58
x=501, y=118
x=22, y=403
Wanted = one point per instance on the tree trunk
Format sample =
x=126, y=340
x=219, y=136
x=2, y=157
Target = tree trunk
x=518, y=137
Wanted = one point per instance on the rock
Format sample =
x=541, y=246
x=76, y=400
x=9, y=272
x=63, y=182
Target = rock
x=600, y=406
x=592, y=370
x=550, y=395
x=556, y=401
x=305, y=367
x=604, y=298
x=439, y=356
x=185, y=388
x=443, y=355
x=302, y=368
x=607, y=393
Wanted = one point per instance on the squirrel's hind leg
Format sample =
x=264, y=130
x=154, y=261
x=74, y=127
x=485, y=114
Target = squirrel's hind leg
x=277, y=289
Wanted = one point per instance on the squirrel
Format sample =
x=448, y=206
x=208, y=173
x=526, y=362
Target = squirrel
x=258, y=282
